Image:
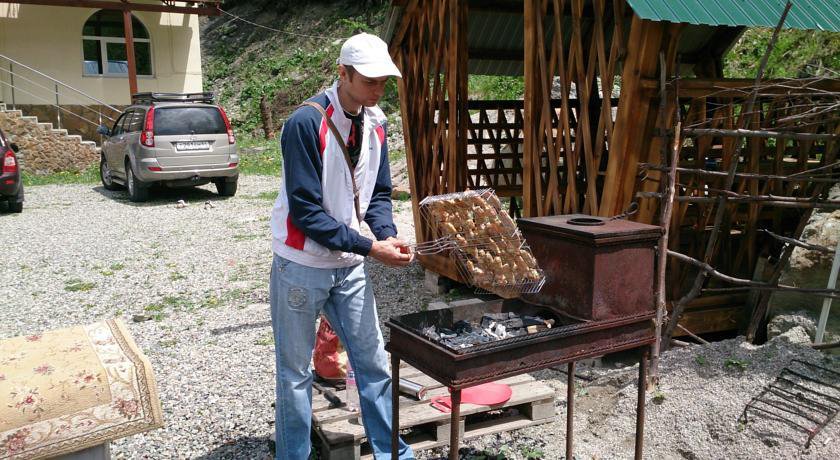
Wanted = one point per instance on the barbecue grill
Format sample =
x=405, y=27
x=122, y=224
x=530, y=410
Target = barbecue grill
x=589, y=311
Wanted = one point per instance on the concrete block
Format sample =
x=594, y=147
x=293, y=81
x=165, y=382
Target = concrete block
x=435, y=283
x=465, y=302
x=437, y=306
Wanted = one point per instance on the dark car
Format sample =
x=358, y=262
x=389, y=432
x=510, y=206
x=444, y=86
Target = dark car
x=11, y=187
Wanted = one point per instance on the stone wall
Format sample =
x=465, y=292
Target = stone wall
x=43, y=151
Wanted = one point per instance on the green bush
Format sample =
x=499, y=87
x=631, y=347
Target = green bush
x=797, y=53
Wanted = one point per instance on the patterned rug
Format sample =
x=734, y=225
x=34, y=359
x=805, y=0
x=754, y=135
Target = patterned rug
x=69, y=389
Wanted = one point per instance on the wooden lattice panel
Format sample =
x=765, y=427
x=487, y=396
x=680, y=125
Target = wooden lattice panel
x=566, y=146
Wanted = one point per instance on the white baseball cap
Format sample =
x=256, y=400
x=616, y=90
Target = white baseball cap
x=368, y=54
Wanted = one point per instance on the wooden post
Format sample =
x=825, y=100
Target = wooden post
x=265, y=115
x=129, y=51
x=530, y=168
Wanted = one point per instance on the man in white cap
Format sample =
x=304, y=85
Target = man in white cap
x=335, y=175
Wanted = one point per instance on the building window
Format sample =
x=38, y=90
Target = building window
x=103, y=45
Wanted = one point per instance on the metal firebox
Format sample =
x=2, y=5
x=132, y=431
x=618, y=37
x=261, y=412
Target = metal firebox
x=596, y=269
x=567, y=341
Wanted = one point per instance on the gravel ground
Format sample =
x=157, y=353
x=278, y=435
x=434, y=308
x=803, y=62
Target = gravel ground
x=79, y=254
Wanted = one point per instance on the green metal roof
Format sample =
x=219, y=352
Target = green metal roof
x=804, y=14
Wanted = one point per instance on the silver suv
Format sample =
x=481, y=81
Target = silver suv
x=169, y=139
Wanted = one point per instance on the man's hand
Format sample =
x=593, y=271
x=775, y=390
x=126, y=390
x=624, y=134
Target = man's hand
x=392, y=251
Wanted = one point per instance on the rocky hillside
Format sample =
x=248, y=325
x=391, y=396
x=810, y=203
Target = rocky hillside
x=280, y=52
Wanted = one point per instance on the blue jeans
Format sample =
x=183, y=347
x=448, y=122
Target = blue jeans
x=298, y=294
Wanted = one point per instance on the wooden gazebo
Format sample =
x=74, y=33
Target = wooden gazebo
x=590, y=133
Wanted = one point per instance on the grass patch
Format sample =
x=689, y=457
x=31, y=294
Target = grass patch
x=246, y=237
x=116, y=267
x=211, y=301
x=396, y=154
x=158, y=309
x=175, y=276
x=267, y=196
x=258, y=156
x=89, y=175
x=658, y=397
x=169, y=343
x=738, y=364
x=155, y=307
x=77, y=285
x=265, y=340
x=492, y=87
x=531, y=453
x=106, y=272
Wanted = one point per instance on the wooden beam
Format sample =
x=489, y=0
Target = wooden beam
x=505, y=7
x=759, y=134
x=741, y=87
x=488, y=54
x=125, y=6
x=632, y=115
x=129, y=52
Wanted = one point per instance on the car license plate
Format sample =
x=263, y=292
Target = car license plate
x=189, y=146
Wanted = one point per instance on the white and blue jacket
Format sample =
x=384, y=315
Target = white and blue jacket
x=314, y=221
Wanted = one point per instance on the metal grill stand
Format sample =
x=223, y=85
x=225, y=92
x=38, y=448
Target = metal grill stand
x=564, y=344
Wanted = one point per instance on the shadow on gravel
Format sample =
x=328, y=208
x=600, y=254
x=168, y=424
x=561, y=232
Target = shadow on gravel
x=247, y=447
x=240, y=327
x=164, y=196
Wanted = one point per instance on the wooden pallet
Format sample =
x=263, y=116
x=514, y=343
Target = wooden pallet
x=342, y=437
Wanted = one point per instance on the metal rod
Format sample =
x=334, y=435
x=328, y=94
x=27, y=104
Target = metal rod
x=12, y=84
x=454, y=430
x=640, y=405
x=37, y=85
x=412, y=389
x=813, y=380
x=777, y=416
x=57, y=108
x=802, y=400
x=801, y=387
x=784, y=408
x=570, y=411
x=54, y=81
x=50, y=103
x=832, y=283
x=395, y=408
x=826, y=346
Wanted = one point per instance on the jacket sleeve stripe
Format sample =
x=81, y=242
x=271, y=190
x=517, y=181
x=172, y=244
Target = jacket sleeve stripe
x=294, y=237
x=322, y=133
x=380, y=132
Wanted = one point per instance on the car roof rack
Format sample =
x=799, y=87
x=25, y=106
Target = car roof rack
x=151, y=98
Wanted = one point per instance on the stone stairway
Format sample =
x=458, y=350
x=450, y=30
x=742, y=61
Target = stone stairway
x=44, y=149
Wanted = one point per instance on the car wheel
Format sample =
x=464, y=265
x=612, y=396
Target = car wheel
x=105, y=175
x=137, y=189
x=226, y=188
x=16, y=202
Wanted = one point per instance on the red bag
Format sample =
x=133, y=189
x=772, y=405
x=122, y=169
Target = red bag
x=330, y=358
